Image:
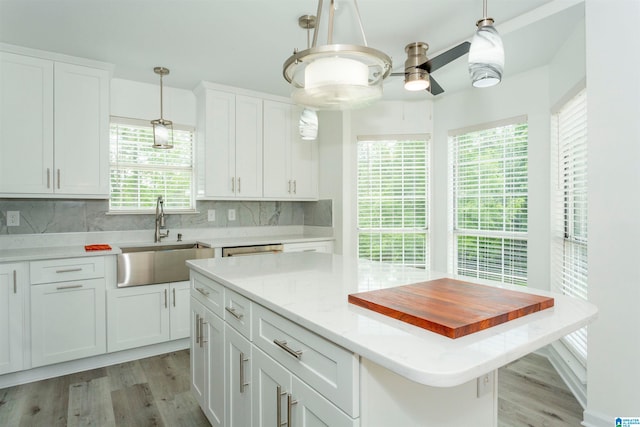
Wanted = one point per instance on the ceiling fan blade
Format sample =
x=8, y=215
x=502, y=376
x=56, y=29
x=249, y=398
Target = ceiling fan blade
x=434, y=87
x=398, y=74
x=446, y=57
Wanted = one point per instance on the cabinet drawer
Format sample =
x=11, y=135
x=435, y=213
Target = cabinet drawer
x=237, y=312
x=328, y=368
x=208, y=292
x=65, y=270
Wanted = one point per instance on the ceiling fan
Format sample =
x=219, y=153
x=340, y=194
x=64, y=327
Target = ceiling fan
x=417, y=67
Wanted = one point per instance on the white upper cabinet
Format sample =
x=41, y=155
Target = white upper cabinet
x=229, y=152
x=54, y=128
x=290, y=163
x=248, y=147
x=81, y=137
x=26, y=124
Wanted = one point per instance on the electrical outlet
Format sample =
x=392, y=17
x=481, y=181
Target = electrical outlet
x=211, y=215
x=485, y=384
x=13, y=218
x=231, y=214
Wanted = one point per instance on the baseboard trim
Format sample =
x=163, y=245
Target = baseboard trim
x=100, y=361
x=597, y=419
x=573, y=382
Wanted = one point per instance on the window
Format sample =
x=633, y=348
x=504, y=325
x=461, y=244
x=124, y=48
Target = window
x=570, y=251
x=489, y=181
x=140, y=173
x=392, y=199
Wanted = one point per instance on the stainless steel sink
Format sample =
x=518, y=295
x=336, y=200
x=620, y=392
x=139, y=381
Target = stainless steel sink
x=149, y=265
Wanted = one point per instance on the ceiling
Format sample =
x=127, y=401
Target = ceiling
x=244, y=43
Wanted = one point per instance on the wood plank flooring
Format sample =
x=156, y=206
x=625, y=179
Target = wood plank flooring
x=156, y=392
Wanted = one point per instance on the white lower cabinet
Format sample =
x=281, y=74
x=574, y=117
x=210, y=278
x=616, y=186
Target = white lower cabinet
x=145, y=315
x=281, y=398
x=67, y=321
x=238, y=378
x=302, y=380
x=207, y=362
x=13, y=282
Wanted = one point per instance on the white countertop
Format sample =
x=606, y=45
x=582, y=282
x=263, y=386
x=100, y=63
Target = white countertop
x=51, y=252
x=311, y=289
x=53, y=248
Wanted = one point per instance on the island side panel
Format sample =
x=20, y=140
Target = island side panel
x=388, y=399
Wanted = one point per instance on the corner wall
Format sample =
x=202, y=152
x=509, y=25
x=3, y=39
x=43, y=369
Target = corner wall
x=613, y=91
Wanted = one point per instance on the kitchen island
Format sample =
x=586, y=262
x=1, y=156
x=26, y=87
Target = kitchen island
x=370, y=369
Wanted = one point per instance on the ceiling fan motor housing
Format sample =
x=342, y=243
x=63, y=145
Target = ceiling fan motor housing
x=416, y=78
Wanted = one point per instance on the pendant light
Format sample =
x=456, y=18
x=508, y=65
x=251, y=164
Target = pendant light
x=162, y=129
x=486, y=55
x=336, y=76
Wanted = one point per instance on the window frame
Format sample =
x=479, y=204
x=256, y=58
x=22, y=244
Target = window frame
x=508, y=239
x=191, y=169
x=570, y=248
x=421, y=231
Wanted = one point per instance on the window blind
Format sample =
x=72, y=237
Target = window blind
x=489, y=170
x=140, y=173
x=392, y=192
x=571, y=218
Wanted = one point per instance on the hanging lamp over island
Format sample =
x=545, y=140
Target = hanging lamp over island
x=336, y=76
x=486, y=54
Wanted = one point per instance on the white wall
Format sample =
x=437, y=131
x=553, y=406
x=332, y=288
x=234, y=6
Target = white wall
x=613, y=93
x=520, y=95
x=142, y=101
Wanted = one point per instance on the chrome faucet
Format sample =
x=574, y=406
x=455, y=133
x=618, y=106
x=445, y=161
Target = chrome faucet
x=160, y=225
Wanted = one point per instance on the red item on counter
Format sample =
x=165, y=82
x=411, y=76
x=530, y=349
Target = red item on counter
x=102, y=247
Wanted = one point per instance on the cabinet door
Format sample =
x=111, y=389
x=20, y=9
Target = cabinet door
x=179, y=310
x=197, y=354
x=137, y=316
x=81, y=130
x=219, y=163
x=271, y=385
x=238, y=379
x=67, y=321
x=215, y=397
x=26, y=124
x=12, y=288
x=248, y=183
x=313, y=410
x=277, y=138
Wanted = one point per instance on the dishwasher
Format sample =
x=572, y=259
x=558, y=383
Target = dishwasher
x=271, y=248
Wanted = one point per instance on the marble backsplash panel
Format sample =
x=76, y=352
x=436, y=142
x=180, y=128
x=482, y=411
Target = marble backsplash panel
x=63, y=216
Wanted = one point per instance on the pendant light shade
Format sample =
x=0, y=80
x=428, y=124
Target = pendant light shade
x=162, y=129
x=308, y=125
x=486, y=54
x=335, y=76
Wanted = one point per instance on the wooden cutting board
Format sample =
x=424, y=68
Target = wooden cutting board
x=449, y=307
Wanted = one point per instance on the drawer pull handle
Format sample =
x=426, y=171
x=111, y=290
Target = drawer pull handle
x=69, y=270
x=283, y=345
x=203, y=291
x=234, y=313
x=15, y=282
x=59, y=288
x=243, y=384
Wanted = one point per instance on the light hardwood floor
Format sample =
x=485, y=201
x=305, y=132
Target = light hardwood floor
x=155, y=392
